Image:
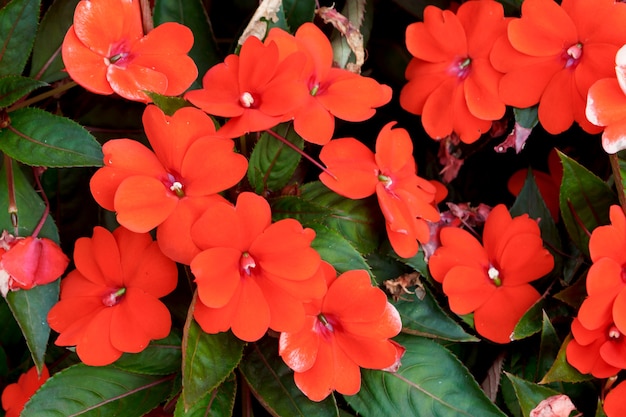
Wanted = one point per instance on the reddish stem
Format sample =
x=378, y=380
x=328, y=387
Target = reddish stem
x=44, y=197
x=11, y=188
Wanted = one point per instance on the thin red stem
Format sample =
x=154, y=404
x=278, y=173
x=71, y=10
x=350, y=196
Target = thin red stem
x=11, y=188
x=46, y=210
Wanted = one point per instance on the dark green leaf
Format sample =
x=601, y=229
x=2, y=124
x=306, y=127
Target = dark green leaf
x=422, y=316
x=208, y=359
x=161, y=357
x=18, y=26
x=98, y=391
x=337, y=250
x=218, y=403
x=298, y=12
x=561, y=370
x=168, y=104
x=36, y=137
x=192, y=14
x=47, y=64
x=584, y=200
x=14, y=87
x=530, y=323
x=526, y=117
x=273, y=163
x=296, y=207
x=431, y=382
x=271, y=381
x=417, y=262
x=529, y=394
x=549, y=347
x=30, y=309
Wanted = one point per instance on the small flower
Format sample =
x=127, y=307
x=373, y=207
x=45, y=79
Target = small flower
x=614, y=404
x=348, y=329
x=452, y=83
x=600, y=352
x=110, y=303
x=252, y=274
x=554, y=53
x=333, y=92
x=15, y=396
x=492, y=280
x=27, y=262
x=106, y=52
x=171, y=186
x=606, y=106
x=404, y=198
x=255, y=89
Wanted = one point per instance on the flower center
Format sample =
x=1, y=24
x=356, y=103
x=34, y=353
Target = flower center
x=494, y=276
x=461, y=68
x=386, y=180
x=614, y=334
x=247, y=264
x=247, y=100
x=175, y=185
x=119, y=55
x=326, y=326
x=573, y=54
x=114, y=297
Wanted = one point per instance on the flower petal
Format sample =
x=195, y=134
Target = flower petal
x=142, y=203
x=217, y=275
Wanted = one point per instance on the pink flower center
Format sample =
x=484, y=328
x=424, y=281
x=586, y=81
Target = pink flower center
x=113, y=298
x=386, y=180
x=494, y=276
x=119, y=55
x=326, y=325
x=614, y=334
x=461, y=68
x=247, y=264
x=247, y=100
x=175, y=185
x=572, y=55
x=314, y=86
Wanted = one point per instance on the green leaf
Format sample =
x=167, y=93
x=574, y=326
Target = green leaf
x=337, y=250
x=417, y=262
x=30, y=309
x=561, y=370
x=14, y=87
x=422, y=316
x=549, y=347
x=218, y=403
x=47, y=63
x=584, y=200
x=298, y=12
x=192, y=14
x=168, y=104
x=531, y=322
x=529, y=394
x=526, y=117
x=431, y=382
x=161, y=357
x=296, y=207
x=98, y=391
x=272, y=383
x=208, y=359
x=36, y=137
x=18, y=26
x=273, y=163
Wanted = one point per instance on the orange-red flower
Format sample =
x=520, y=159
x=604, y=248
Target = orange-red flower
x=106, y=52
x=110, y=303
x=492, y=280
x=600, y=352
x=554, y=53
x=614, y=404
x=255, y=89
x=606, y=106
x=452, y=83
x=405, y=198
x=549, y=184
x=253, y=274
x=15, y=396
x=171, y=186
x=27, y=262
x=333, y=92
x=347, y=330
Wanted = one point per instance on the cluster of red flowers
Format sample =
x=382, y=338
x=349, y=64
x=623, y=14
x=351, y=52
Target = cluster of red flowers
x=468, y=66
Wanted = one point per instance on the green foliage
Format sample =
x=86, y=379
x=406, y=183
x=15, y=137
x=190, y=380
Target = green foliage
x=168, y=104
x=14, y=87
x=161, y=357
x=217, y=403
x=529, y=394
x=337, y=250
x=18, y=26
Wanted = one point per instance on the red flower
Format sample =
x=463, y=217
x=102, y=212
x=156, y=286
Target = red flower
x=549, y=185
x=106, y=52
x=614, y=404
x=347, y=330
x=452, y=83
x=171, y=186
x=492, y=280
x=606, y=106
x=27, y=262
x=600, y=352
x=553, y=54
x=255, y=89
x=15, y=396
x=253, y=274
x=333, y=92
x=405, y=198
x=110, y=303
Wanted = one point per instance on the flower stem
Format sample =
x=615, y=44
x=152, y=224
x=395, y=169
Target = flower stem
x=8, y=162
x=617, y=176
x=301, y=152
x=46, y=211
x=59, y=89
